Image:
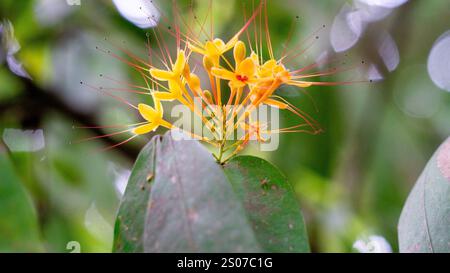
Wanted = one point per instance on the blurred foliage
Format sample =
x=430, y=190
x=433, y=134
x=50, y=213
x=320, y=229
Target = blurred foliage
x=351, y=180
x=19, y=229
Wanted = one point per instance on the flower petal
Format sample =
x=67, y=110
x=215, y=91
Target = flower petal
x=180, y=63
x=194, y=82
x=144, y=129
x=164, y=96
x=219, y=44
x=161, y=75
x=196, y=49
x=175, y=89
x=211, y=49
x=270, y=64
x=147, y=112
x=223, y=73
x=246, y=67
x=237, y=84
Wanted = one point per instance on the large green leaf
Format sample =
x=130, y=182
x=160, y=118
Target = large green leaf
x=130, y=220
x=192, y=205
x=195, y=205
x=425, y=220
x=19, y=230
x=270, y=204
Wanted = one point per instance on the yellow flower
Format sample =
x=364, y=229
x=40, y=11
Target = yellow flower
x=242, y=76
x=271, y=75
x=153, y=116
x=272, y=70
x=175, y=92
x=173, y=77
x=245, y=69
x=177, y=69
x=214, y=49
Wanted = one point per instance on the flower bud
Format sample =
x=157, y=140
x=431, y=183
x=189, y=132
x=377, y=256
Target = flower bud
x=255, y=58
x=194, y=82
x=208, y=96
x=208, y=64
x=239, y=52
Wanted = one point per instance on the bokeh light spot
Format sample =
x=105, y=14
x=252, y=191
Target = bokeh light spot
x=439, y=62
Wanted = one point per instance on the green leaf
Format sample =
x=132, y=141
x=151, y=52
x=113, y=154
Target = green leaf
x=424, y=224
x=195, y=205
x=18, y=221
x=130, y=219
x=270, y=203
x=192, y=205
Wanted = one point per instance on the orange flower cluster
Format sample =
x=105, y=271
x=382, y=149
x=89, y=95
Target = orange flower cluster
x=239, y=80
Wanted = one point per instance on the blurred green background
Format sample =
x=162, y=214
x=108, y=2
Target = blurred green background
x=351, y=180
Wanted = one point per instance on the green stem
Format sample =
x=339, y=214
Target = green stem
x=223, y=140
